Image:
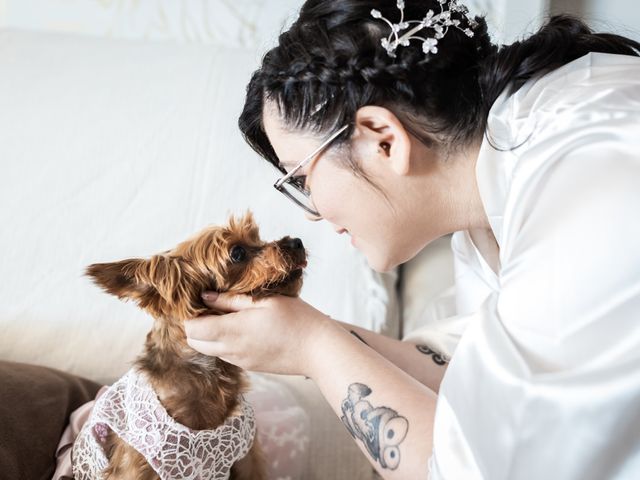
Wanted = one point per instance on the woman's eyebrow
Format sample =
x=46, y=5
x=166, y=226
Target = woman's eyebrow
x=283, y=166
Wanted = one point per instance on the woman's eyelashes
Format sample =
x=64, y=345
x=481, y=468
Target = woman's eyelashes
x=301, y=182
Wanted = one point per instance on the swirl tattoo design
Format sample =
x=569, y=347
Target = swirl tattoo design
x=380, y=429
x=437, y=357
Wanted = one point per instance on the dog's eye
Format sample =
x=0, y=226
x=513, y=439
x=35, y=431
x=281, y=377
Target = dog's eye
x=238, y=254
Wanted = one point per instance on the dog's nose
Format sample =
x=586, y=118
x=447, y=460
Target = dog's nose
x=295, y=244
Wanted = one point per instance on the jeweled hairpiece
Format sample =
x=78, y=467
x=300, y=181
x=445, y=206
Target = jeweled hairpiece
x=438, y=22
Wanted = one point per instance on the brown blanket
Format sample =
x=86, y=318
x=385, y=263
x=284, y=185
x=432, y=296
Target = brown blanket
x=35, y=404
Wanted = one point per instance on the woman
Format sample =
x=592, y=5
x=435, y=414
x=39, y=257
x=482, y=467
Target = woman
x=399, y=133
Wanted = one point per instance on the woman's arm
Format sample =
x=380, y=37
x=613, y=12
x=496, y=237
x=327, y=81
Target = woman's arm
x=387, y=412
x=419, y=361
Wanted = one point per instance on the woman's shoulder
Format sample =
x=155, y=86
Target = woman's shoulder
x=596, y=81
x=592, y=88
x=551, y=145
x=591, y=72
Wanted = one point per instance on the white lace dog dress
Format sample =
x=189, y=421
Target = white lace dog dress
x=130, y=408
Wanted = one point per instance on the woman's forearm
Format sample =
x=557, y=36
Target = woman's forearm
x=387, y=412
x=419, y=361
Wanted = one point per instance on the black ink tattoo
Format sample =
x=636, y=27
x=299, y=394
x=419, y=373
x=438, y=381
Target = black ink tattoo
x=437, y=357
x=358, y=337
x=380, y=429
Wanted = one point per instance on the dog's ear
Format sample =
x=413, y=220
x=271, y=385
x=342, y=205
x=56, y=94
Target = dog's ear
x=122, y=279
x=159, y=284
x=137, y=277
x=245, y=226
x=248, y=219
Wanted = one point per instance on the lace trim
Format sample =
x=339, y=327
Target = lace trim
x=130, y=408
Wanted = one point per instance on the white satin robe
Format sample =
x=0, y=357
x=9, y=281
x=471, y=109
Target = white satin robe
x=545, y=379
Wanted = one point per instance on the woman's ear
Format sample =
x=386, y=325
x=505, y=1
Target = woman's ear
x=385, y=137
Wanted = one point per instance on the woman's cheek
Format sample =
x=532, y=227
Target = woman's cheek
x=329, y=205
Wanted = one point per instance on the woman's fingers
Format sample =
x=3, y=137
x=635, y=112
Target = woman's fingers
x=206, y=328
x=208, y=334
x=227, y=302
x=211, y=348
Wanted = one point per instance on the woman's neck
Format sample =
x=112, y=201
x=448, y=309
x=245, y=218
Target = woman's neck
x=460, y=200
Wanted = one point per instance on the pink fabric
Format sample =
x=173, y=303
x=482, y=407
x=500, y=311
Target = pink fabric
x=283, y=428
x=76, y=421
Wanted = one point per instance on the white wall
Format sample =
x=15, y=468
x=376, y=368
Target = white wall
x=522, y=18
x=246, y=23
x=232, y=23
x=256, y=23
x=617, y=16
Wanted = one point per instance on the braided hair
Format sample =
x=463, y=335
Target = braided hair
x=330, y=63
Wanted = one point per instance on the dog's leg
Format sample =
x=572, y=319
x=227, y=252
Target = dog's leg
x=125, y=462
x=252, y=466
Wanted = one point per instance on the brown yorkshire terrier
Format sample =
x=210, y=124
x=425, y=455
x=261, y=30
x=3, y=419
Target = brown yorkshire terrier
x=197, y=391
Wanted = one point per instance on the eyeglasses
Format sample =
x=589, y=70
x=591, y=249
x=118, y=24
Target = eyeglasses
x=294, y=188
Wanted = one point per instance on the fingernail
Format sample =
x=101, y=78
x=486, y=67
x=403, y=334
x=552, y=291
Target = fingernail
x=209, y=296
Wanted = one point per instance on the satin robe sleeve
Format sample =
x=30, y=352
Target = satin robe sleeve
x=545, y=381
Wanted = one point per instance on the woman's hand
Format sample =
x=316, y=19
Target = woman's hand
x=277, y=334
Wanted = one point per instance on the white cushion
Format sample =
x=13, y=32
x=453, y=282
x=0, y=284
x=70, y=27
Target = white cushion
x=118, y=148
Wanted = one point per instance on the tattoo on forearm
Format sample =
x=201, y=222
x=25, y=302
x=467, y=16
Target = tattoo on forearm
x=355, y=334
x=438, y=358
x=380, y=429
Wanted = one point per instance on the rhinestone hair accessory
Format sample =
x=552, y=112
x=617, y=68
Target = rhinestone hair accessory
x=404, y=31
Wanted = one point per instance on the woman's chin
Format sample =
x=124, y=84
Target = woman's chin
x=377, y=260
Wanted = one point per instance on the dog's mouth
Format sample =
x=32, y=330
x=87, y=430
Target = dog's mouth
x=289, y=281
x=294, y=274
x=289, y=284
x=299, y=261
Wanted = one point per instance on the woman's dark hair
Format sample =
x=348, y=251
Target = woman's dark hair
x=330, y=63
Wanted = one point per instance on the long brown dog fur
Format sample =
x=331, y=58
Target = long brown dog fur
x=196, y=390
